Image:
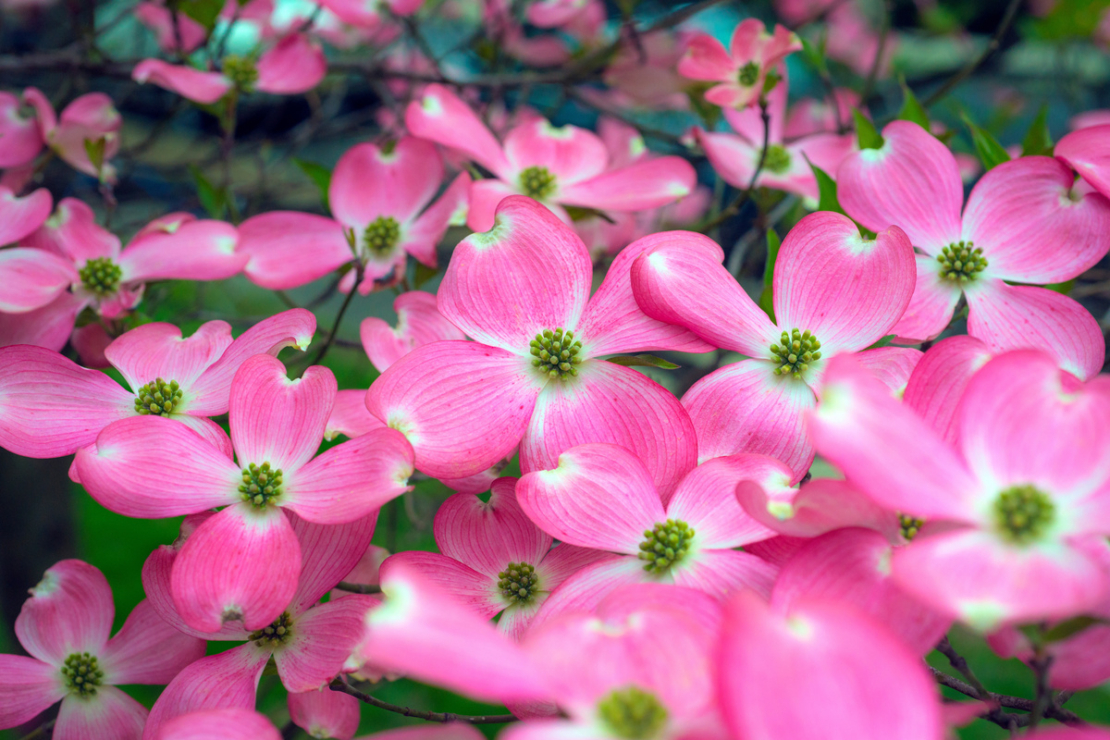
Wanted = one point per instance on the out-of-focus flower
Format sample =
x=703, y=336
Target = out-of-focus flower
x=90, y=118
x=742, y=69
x=419, y=322
x=221, y=724
x=1087, y=151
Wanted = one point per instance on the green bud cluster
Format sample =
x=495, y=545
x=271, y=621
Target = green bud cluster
x=910, y=526
x=1024, y=513
x=517, y=582
x=960, y=262
x=81, y=674
x=556, y=352
x=537, y=182
x=665, y=545
x=381, y=236
x=274, y=634
x=633, y=714
x=261, y=484
x=777, y=159
x=157, y=397
x=749, y=74
x=794, y=352
x=101, y=276
x=241, y=71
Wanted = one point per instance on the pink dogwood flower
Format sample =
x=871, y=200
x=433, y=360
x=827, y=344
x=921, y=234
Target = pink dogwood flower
x=325, y=713
x=21, y=217
x=20, y=137
x=1023, y=222
x=242, y=564
x=533, y=376
x=1087, y=152
x=90, y=117
x=220, y=724
x=564, y=166
x=419, y=322
x=834, y=291
x=50, y=407
x=494, y=559
x=370, y=13
x=742, y=69
x=65, y=626
x=448, y=731
x=1020, y=502
x=736, y=156
x=379, y=198
x=71, y=263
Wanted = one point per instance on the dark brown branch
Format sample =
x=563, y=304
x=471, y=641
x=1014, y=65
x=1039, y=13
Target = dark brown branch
x=487, y=719
x=992, y=47
x=734, y=207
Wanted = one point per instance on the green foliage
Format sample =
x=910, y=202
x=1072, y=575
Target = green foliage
x=643, y=361
x=866, y=133
x=1038, y=139
x=95, y=149
x=826, y=188
x=320, y=176
x=213, y=199
x=883, y=342
x=990, y=152
x=766, y=298
x=912, y=110
x=1069, y=19
x=204, y=12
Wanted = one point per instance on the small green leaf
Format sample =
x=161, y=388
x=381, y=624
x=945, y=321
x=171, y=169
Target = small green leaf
x=826, y=189
x=1063, y=288
x=643, y=360
x=815, y=57
x=422, y=274
x=866, y=133
x=766, y=298
x=883, y=342
x=213, y=199
x=1070, y=627
x=318, y=173
x=95, y=150
x=912, y=110
x=204, y=12
x=580, y=213
x=990, y=152
x=1037, y=139
x=707, y=112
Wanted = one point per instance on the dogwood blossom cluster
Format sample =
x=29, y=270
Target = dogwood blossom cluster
x=906, y=433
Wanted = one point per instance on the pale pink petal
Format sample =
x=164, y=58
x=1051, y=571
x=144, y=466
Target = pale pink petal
x=938, y=382
x=290, y=249
x=777, y=550
x=484, y=197
x=20, y=138
x=1030, y=227
x=190, y=83
x=32, y=278
x=623, y=141
x=570, y=153
x=70, y=611
x=226, y=724
x=111, y=713
x=732, y=157
x=369, y=183
x=930, y=309
x=562, y=562
x=776, y=668
x=582, y=591
x=890, y=453
x=329, y=554
x=322, y=639
x=817, y=507
x=73, y=232
x=50, y=406
x=912, y=182
x=158, y=351
x=350, y=417
x=157, y=574
x=637, y=187
x=19, y=217
x=724, y=572
x=975, y=577
x=458, y=424
x=745, y=407
x=325, y=713
x=419, y=322
x=846, y=290
x=749, y=123
x=49, y=326
x=617, y=405
x=488, y=535
x=853, y=566
x=599, y=496
x=1086, y=151
x=294, y=65
x=706, y=59
x=133, y=458
x=1008, y=317
x=706, y=500
x=27, y=687
x=148, y=650
x=891, y=365
x=682, y=281
x=161, y=21
x=531, y=273
x=440, y=116
x=477, y=591
x=422, y=236
x=197, y=250
x=241, y=564
x=352, y=479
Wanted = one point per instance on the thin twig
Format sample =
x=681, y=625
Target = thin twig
x=734, y=207
x=360, y=271
x=957, y=661
x=40, y=731
x=876, y=63
x=992, y=46
x=487, y=719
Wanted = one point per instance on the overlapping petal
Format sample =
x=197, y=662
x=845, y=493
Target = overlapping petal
x=70, y=611
x=1086, y=151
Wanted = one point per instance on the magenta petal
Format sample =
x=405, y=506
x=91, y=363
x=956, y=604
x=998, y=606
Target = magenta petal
x=600, y=496
x=847, y=290
x=27, y=687
x=583, y=591
x=724, y=572
x=440, y=116
x=111, y=713
x=891, y=365
x=775, y=669
x=70, y=611
x=458, y=424
x=488, y=535
x=32, y=278
x=20, y=137
x=148, y=650
x=912, y=182
x=1086, y=151
x=49, y=326
x=930, y=309
x=369, y=183
x=477, y=591
x=225, y=724
x=617, y=405
x=73, y=232
x=419, y=322
x=157, y=576
x=329, y=554
x=733, y=157
x=570, y=153
x=323, y=638
x=294, y=65
x=50, y=406
x=706, y=500
x=350, y=417
x=324, y=713
x=938, y=382
x=614, y=323
x=241, y=564
x=133, y=458
x=637, y=187
x=198, y=86
x=744, y=407
x=449, y=731
x=195, y=250
x=422, y=236
x=158, y=351
x=484, y=197
x=853, y=566
x=1008, y=317
x=705, y=59
x=530, y=273
x=19, y=217
x=819, y=506
x=289, y=249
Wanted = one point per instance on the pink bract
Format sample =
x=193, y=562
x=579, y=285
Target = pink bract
x=741, y=69
x=419, y=322
x=220, y=724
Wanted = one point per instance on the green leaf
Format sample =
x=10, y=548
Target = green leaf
x=213, y=199
x=580, y=213
x=826, y=189
x=319, y=174
x=95, y=150
x=866, y=133
x=422, y=274
x=1070, y=627
x=1063, y=288
x=990, y=152
x=643, y=360
x=883, y=342
x=204, y=12
x=766, y=298
x=1037, y=139
x=912, y=110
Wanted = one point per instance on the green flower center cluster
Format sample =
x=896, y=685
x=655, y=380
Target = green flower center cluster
x=777, y=159
x=1024, y=513
x=537, y=182
x=794, y=352
x=961, y=262
x=632, y=713
x=241, y=71
x=749, y=74
x=665, y=545
x=556, y=352
x=910, y=526
x=274, y=634
x=101, y=276
x=81, y=674
x=382, y=236
x=157, y=397
x=261, y=484
x=517, y=582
